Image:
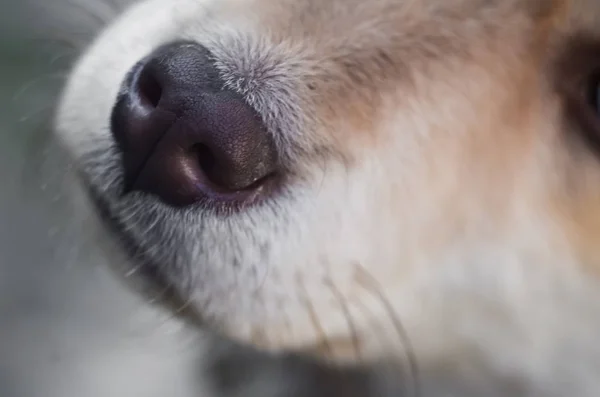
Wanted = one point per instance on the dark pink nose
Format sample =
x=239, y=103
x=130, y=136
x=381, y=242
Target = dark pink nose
x=184, y=136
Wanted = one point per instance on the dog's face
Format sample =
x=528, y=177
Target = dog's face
x=306, y=174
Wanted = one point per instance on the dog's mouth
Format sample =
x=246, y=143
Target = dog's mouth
x=151, y=278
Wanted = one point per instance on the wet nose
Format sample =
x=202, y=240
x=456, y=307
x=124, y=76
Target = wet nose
x=184, y=136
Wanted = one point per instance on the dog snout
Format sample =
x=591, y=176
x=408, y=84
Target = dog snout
x=184, y=136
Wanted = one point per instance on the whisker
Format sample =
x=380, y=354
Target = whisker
x=94, y=13
x=59, y=56
x=132, y=271
x=367, y=281
x=314, y=318
x=263, y=279
x=285, y=315
x=34, y=82
x=167, y=297
x=159, y=296
x=171, y=314
x=35, y=113
x=368, y=314
x=181, y=308
x=257, y=334
x=351, y=326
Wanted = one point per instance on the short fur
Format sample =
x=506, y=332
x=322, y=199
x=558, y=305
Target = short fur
x=442, y=206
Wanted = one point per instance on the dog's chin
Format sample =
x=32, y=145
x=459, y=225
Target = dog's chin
x=153, y=280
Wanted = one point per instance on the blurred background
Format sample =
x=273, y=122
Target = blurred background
x=67, y=326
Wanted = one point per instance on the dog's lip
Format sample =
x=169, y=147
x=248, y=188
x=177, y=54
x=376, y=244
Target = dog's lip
x=153, y=275
x=222, y=201
x=150, y=271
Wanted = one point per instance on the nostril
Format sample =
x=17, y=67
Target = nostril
x=206, y=159
x=149, y=89
x=219, y=173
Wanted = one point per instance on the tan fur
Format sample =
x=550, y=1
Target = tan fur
x=457, y=205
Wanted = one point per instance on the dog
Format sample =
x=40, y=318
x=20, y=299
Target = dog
x=393, y=197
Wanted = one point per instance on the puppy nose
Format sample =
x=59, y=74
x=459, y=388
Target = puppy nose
x=184, y=136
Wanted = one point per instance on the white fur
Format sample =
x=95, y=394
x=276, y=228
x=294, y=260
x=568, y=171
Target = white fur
x=507, y=293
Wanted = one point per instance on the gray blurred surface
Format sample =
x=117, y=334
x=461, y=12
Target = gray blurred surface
x=67, y=326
